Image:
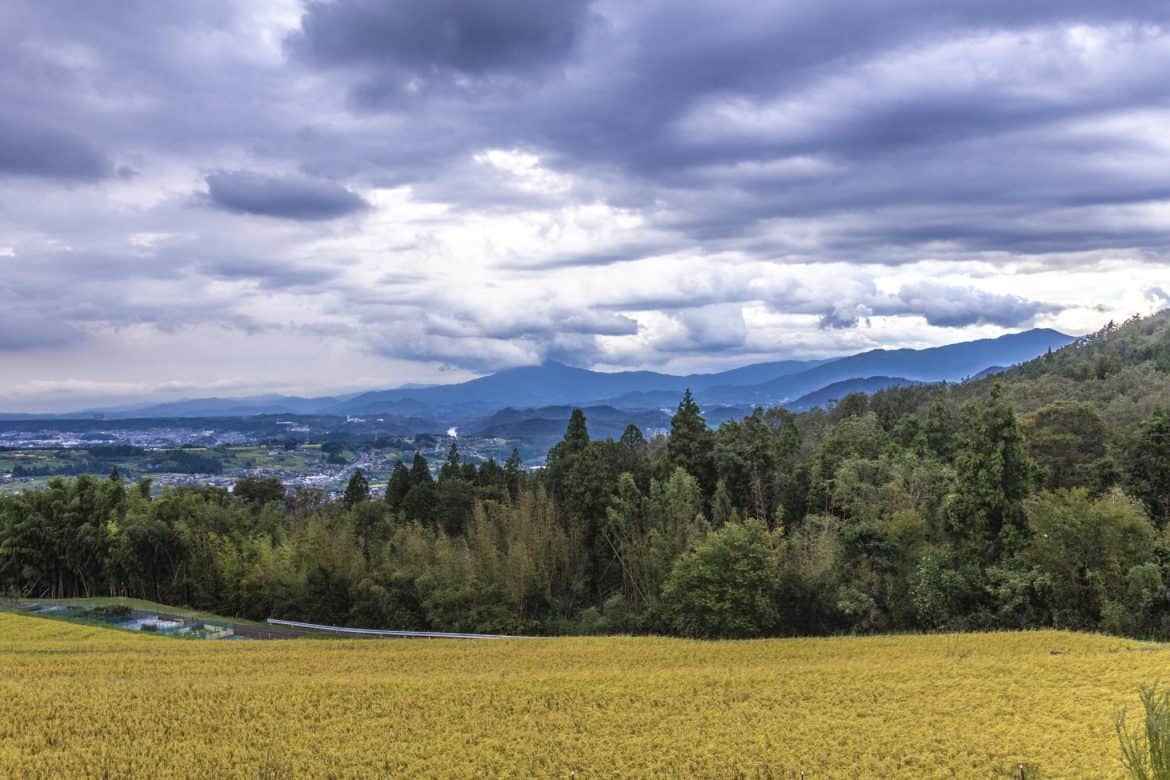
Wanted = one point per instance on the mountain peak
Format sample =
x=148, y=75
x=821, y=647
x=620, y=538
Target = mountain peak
x=555, y=383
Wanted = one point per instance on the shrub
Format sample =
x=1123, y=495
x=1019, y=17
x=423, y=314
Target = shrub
x=724, y=589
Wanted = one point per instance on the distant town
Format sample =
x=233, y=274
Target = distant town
x=218, y=452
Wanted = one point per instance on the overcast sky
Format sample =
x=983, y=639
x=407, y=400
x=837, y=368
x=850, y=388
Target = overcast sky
x=232, y=198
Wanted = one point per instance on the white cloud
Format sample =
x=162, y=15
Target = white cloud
x=685, y=187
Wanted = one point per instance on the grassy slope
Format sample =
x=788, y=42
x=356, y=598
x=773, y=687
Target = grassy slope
x=139, y=604
x=76, y=700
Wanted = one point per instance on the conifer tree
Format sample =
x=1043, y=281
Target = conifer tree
x=420, y=472
x=577, y=433
x=452, y=468
x=357, y=491
x=565, y=453
x=939, y=430
x=691, y=443
x=512, y=473
x=994, y=474
x=398, y=486
x=632, y=438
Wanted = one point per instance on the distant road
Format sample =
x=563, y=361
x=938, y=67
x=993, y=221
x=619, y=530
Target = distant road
x=385, y=633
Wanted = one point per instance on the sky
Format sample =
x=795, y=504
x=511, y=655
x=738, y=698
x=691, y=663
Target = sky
x=233, y=198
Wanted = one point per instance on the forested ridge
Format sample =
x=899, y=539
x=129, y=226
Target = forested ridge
x=1037, y=497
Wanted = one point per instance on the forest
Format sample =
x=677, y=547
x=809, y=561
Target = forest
x=1038, y=497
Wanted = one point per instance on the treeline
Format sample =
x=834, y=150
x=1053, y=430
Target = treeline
x=914, y=509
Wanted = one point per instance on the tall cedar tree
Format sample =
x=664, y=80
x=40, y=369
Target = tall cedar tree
x=632, y=439
x=581, y=483
x=938, y=432
x=452, y=468
x=512, y=473
x=419, y=502
x=564, y=454
x=357, y=491
x=691, y=443
x=994, y=476
x=420, y=472
x=398, y=486
x=577, y=433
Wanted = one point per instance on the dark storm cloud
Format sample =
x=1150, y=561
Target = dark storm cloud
x=32, y=150
x=288, y=197
x=471, y=37
x=835, y=137
x=696, y=103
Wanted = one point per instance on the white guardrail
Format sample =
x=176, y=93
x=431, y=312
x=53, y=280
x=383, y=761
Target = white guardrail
x=385, y=633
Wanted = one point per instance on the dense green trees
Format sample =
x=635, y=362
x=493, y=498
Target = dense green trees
x=1083, y=554
x=1070, y=443
x=920, y=508
x=1149, y=465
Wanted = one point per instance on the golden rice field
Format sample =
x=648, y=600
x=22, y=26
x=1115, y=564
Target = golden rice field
x=89, y=702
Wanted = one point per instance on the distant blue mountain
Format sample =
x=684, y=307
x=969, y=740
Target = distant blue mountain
x=750, y=375
x=548, y=384
x=953, y=363
x=786, y=382
x=554, y=383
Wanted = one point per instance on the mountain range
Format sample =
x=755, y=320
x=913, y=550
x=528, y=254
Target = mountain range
x=796, y=384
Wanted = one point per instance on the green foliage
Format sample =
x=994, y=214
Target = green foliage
x=1149, y=465
x=259, y=491
x=726, y=587
x=1069, y=442
x=454, y=499
x=940, y=429
x=748, y=455
x=994, y=474
x=576, y=436
x=1083, y=550
x=185, y=461
x=452, y=468
x=1145, y=751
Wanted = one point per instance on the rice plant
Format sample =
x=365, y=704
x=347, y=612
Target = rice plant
x=84, y=701
x=1145, y=749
